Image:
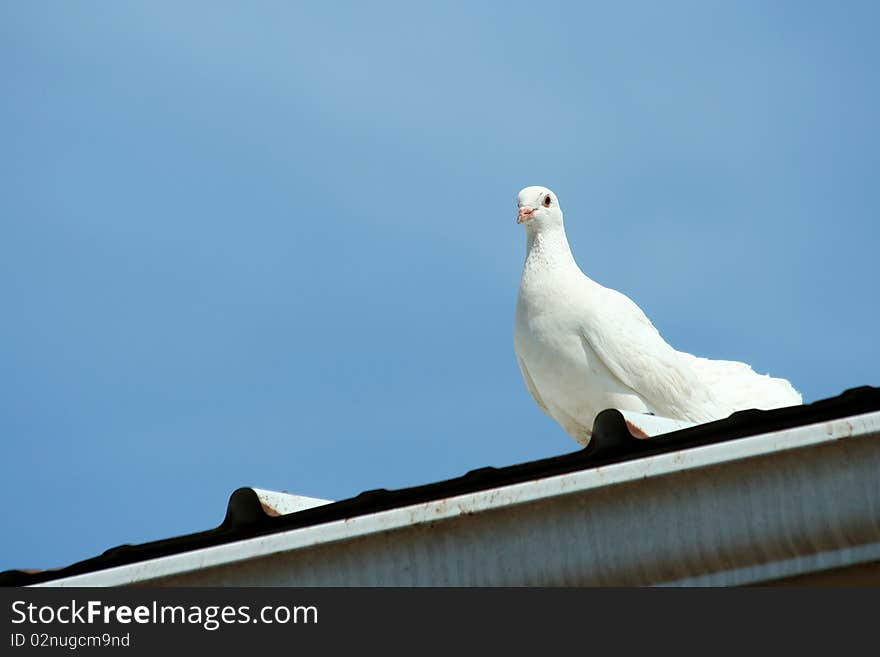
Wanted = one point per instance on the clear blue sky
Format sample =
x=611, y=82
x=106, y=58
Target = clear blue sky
x=273, y=243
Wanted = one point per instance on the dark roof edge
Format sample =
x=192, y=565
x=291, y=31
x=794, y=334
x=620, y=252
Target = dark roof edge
x=611, y=443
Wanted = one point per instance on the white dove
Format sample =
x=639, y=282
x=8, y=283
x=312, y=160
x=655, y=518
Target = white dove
x=583, y=347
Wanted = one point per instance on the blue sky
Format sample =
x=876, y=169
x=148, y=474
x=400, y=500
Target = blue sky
x=273, y=243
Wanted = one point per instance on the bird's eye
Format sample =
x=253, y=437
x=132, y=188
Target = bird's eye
x=547, y=201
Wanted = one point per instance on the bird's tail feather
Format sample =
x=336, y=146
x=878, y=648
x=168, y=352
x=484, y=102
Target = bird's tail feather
x=737, y=386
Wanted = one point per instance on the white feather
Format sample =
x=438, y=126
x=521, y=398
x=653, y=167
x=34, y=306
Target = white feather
x=582, y=347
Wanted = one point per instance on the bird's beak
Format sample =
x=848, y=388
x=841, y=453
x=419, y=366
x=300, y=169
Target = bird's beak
x=524, y=214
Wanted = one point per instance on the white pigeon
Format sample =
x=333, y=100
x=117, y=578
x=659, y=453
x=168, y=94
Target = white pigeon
x=583, y=347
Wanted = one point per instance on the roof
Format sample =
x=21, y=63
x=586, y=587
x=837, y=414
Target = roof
x=690, y=482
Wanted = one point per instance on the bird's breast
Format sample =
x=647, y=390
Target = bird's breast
x=570, y=376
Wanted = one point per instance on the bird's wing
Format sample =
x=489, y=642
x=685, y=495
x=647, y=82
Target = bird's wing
x=530, y=384
x=633, y=350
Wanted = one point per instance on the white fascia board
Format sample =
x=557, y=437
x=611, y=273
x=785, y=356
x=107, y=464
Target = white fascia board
x=349, y=530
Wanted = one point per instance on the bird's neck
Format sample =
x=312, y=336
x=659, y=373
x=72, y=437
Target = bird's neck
x=548, y=250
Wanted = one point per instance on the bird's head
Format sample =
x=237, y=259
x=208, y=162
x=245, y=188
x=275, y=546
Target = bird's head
x=538, y=208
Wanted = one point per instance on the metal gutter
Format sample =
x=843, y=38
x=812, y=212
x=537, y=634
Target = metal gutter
x=276, y=503
x=776, y=504
x=643, y=425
